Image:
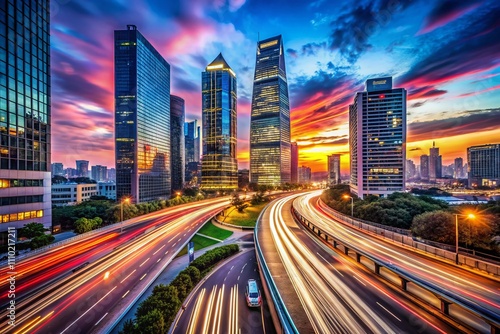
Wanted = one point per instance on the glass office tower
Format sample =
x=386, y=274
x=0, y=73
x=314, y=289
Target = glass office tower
x=219, y=167
x=270, y=156
x=142, y=118
x=25, y=178
x=483, y=163
x=377, y=139
x=177, y=112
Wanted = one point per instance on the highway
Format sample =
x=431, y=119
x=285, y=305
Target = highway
x=479, y=289
x=219, y=305
x=337, y=295
x=93, y=296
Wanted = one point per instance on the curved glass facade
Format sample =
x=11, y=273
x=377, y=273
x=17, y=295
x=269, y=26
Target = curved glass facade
x=142, y=118
x=219, y=167
x=270, y=155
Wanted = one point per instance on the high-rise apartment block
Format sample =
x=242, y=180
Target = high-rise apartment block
x=219, y=167
x=294, y=162
x=82, y=168
x=142, y=118
x=25, y=178
x=177, y=114
x=377, y=139
x=270, y=156
x=483, y=165
x=192, y=136
x=334, y=169
x=424, y=167
x=304, y=174
x=57, y=169
x=458, y=168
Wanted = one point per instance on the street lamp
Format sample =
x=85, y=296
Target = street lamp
x=352, y=205
x=470, y=216
x=124, y=200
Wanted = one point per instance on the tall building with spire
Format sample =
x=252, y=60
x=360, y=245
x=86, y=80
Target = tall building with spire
x=377, y=139
x=219, y=167
x=270, y=156
x=142, y=118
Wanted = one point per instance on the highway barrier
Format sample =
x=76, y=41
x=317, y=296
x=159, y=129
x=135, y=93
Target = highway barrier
x=405, y=239
x=281, y=318
x=445, y=297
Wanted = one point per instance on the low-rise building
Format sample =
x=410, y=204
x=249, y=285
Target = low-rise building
x=73, y=193
x=107, y=189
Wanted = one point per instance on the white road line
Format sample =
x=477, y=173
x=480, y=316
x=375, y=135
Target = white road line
x=97, y=302
x=142, y=277
x=158, y=250
x=127, y=276
x=331, y=265
x=238, y=278
x=166, y=252
x=159, y=260
x=101, y=319
x=388, y=311
x=360, y=281
x=144, y=262
x=126, y=293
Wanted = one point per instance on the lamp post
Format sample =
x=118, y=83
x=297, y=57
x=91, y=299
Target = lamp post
x=471, y=216
x=352, y=206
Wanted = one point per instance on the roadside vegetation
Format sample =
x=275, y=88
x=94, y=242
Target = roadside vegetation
x=244, y=213
x=201, y=242
x=427, y=218
x=157, y=312
x=31, y=236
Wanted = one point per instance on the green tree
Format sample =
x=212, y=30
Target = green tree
x=437, y=226
x=183, y=285
x=41, y=240
x=193, y=273
x=83, y=225
x=31, y=230
x=129, y=327
x=152, y=323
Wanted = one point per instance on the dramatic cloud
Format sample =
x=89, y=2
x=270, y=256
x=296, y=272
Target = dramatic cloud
x=447, y=11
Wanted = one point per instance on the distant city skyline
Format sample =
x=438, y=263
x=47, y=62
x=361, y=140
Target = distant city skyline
x=330, y=51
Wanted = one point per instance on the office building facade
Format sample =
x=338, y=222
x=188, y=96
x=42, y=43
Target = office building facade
x=333, y=169
x=99, y=173
x=304, y=174
x=458, y=168
x=219, y=167
x=57, y=169
x=270, y=155
x=435, y=163
x=424, y=167
x=25, y=177
x=483, y=163
x=377, y=139
x=177, y=114
x=82, y=168
x=192, y=141
x=142, y=118
x=294, y=168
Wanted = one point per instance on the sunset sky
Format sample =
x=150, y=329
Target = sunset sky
x=445, y=53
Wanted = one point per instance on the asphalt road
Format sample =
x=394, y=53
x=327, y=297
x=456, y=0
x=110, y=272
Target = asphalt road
x=219, y=305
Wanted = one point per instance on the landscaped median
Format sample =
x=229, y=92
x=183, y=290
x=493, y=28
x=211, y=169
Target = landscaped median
x=246, y=218
x=207, y=236
x=157, y=312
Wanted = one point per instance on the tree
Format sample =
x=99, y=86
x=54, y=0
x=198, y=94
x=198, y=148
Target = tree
x=437, y=226
x=238, y=203
x=83, y=225
x=41, y=240
x=31, y=230
x=57, y=179
x=193, y=273
x=152, y=323
x=183, y=285
x=129, y=327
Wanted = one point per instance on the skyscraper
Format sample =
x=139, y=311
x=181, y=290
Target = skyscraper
x=270, y=118
x=192, y=141
x=219, y=167
x=483, y=164
x=458, y=168
x=99, y=173
x=294, y=163
x=435, y=163
x=57, y=168
x=25, y=178
x=377, y=139
x=142, y=118
x=177, y=141
x=410, y=169
x=82, y=168
x=424, y=167
x=334, y=169
x=304, y=174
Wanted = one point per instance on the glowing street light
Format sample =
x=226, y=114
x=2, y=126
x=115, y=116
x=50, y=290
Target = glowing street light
x=470, y=216
x=124, y=200
x=352, y=204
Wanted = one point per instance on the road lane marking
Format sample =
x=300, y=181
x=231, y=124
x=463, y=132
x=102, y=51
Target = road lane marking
x=331, y=265
x=97, y=302
x=158, y=250
x=220, y=301
x=238, y=278
x=144, y=262
x=174, y=245
x=127, y=276
x=97, y=323
x=388, y=311
x=166, y=252
x=142, y=277
x=126, y=293
x=159, y=260
x=358, y=280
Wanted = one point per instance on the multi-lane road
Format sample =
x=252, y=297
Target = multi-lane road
x=120, y=267
x=336, y=294
x=219, y=306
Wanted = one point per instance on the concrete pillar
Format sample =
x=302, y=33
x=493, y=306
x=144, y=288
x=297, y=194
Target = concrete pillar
x=334, y=243
x=358, y=257
x=346, y=250
x=404, y=283
x=445, y=307
x=377, y=268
